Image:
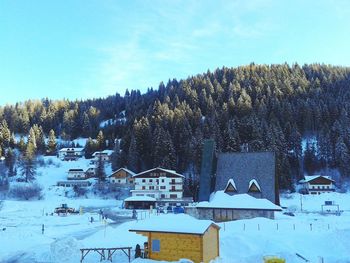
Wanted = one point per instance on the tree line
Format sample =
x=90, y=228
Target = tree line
x=267, y=107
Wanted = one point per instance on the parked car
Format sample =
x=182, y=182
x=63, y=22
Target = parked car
x=160, y=209
x=169, y=209
x=178, y=210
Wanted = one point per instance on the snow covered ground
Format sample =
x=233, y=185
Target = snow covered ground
x=308, y=234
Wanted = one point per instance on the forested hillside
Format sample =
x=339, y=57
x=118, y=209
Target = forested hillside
x=267, y=107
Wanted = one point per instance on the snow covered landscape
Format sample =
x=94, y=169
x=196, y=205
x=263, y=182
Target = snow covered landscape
x=178, y=131
x=309, y=234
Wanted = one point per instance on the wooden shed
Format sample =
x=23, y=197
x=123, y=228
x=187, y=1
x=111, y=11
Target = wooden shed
x=197, y=240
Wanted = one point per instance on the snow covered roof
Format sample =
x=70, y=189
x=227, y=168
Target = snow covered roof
x=125, y=169
x=140, y=198
x=162, y=169
x=71, y=149
x=308, y=178
x=76, y=170
x=230, y=182
x=174, y=224
x=108, y=152
x=240, y=201
x=243, y=167
x=253, y=181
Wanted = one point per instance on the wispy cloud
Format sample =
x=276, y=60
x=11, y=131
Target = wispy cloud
x=171, y=38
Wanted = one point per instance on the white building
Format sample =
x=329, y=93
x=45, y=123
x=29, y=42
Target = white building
x=70, y=153
x=317, y=184
x=76, y=174
x=166, y=186
x=105, y=155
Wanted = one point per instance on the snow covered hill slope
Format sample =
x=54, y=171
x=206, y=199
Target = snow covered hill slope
x=308, y=234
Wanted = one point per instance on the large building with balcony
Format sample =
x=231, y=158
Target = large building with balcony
x=317, y=184
x=166, y=186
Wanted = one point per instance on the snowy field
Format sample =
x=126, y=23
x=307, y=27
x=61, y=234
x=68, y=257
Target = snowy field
x=308, y=234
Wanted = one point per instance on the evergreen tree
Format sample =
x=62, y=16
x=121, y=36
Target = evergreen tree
x=133, y=155
x=116, y=158
x=101, y=143
x=21, y=144
x=163, y=151
x=51, y=144
x=100, y=169
x=90, y=147
x=28, y=163
x=343, y=157
x=10, y=162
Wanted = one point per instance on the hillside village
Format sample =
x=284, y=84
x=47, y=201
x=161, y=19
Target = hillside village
x=237, y=198
x=177, y=131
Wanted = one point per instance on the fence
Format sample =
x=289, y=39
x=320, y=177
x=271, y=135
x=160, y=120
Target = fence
x=279, y=226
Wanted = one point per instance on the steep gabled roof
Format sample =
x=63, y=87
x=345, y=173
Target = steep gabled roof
x=181, y=224
x=243, y=168
x=231, y=186
x=76, y=170
x=254, y=186
x=240, y=201
x=71, y=149
x=161, y=169
x=309, y=178
x=124, y=169
x=107, y=152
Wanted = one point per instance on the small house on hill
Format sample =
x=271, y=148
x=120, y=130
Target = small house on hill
x=122, y=176
x=76, y=174
x=105, y=155
x=70, y=154
x=183, y=237
x=224, y=207
x=72, y=183
x=317, y=184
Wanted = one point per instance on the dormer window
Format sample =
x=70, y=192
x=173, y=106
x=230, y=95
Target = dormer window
x=254, y=187
x=230, y=187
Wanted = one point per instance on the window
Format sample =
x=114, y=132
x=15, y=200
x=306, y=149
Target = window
x=144, y=180
x=150, y=180
x=155, y=245
x=151, y=187
x=162, y=180
x=173, y=196
x=162, y=196
x=143, y=187
x=162, y=187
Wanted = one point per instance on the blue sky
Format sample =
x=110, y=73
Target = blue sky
x=93, y=48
